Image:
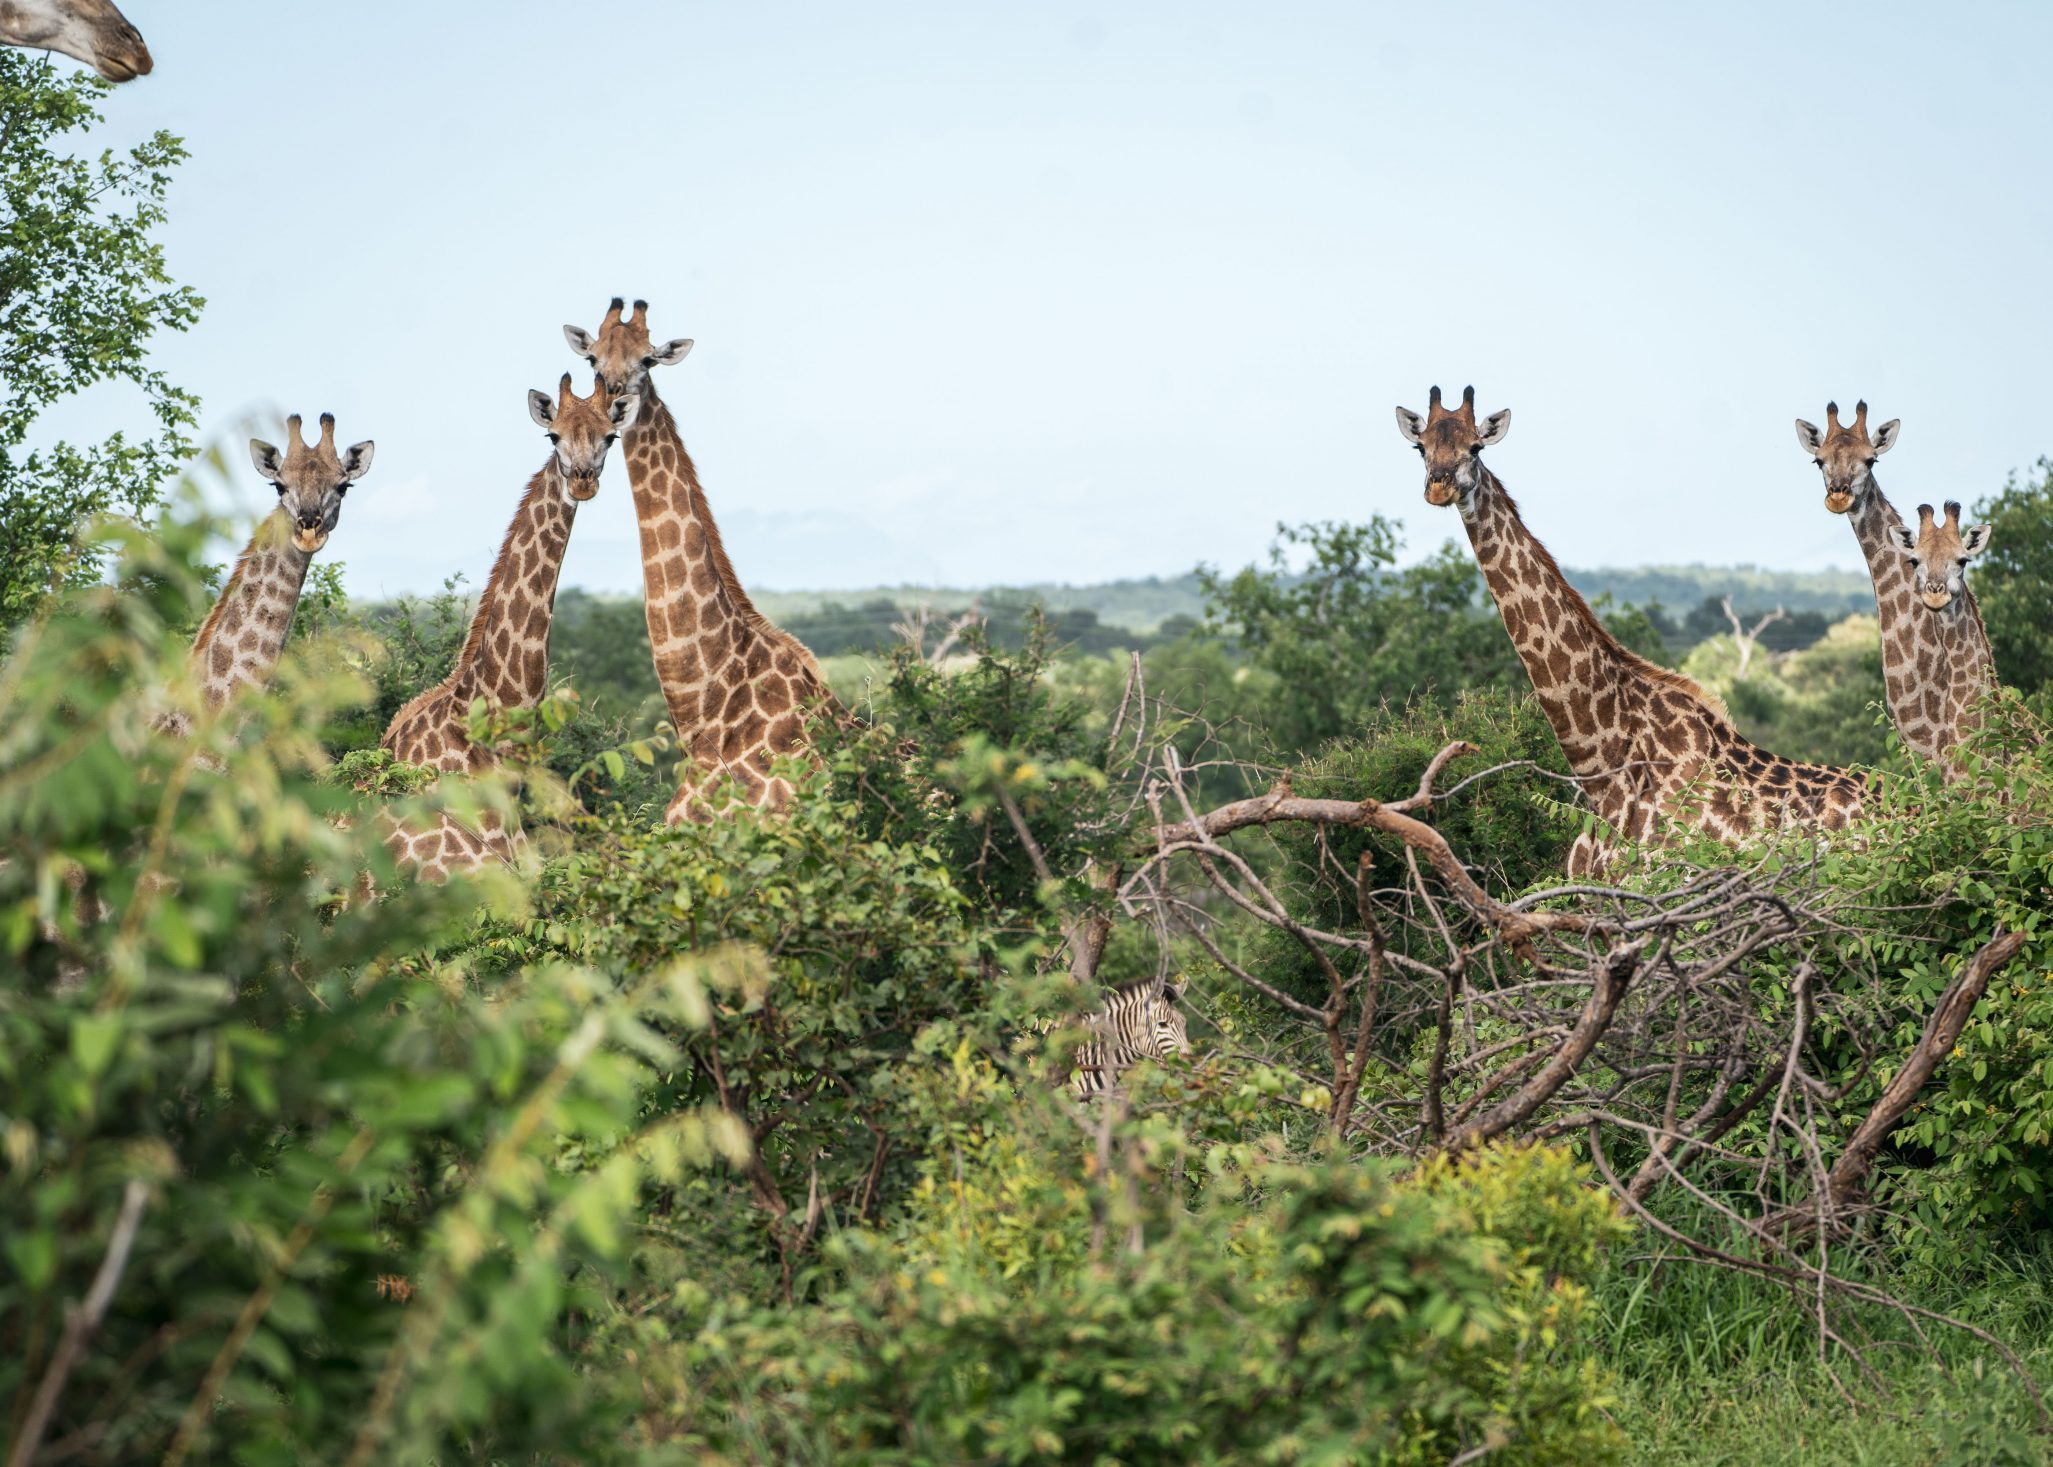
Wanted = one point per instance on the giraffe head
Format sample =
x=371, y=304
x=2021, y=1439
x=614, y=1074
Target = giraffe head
x=1451, y=444
x=622, y=353
x=311, y=480
x=1845, y=454
x=1938, y=552
x=92, y=31
x=582, y=428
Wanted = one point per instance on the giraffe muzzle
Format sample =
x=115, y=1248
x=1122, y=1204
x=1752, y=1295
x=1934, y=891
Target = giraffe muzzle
x=1839, y=501
x=581, y=486
x=120, y=55
x=1441, y=492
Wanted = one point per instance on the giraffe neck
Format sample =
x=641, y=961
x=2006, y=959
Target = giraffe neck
x=1913, y=637
x=1935, y=664
x=239, y=643
x=505, y=659
x=697, y=611
x=1578, y=669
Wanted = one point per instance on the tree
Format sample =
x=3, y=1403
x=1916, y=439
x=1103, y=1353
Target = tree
x=1352, y=632
x=83, y=289
x=2014, y=583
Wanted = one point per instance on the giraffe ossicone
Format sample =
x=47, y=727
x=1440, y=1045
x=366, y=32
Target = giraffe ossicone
x=1646, y=745
x=739, y=689
x=505, y=657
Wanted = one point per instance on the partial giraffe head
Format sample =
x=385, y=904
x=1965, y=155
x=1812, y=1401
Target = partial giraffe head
x=311, y=480
x=582, y=428
x=1938, y=552
x=622, y=353
x=92, y=31
x=1451, y=444
x=1845, y=454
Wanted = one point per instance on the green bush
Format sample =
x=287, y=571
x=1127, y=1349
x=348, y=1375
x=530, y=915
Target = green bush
x=1328, y=1312
x=2013, y=581
x=359, y=1202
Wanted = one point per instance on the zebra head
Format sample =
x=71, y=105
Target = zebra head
x=1166, y=1028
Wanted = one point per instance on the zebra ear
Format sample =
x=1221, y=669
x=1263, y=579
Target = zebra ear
x=1172, y=990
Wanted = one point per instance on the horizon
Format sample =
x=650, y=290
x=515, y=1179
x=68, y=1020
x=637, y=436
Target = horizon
x=1081, y=294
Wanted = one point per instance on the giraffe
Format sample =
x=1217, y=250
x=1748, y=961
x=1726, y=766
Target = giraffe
x=1923, y=655
x=505, y=658
x=1645, y=743
x=739, y=689
x=1937, y=553
x=239, y=643
x=92, y=31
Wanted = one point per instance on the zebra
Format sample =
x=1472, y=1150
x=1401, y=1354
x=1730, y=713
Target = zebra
x=1142, y=1020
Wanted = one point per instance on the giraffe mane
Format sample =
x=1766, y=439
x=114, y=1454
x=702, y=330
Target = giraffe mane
x=208, y=627
x=716, y=548
x=473, y=641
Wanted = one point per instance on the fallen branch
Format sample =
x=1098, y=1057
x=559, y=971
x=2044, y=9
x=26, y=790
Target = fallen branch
x=1942, y=1031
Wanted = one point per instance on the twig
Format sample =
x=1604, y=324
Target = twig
x=80, y=1323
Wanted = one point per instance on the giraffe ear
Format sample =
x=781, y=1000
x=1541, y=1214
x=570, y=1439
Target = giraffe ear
x=1884, y=438
x=269, y=461
x=356, y=462
x=1974, y=540
x=1906, y=539
x=541, y=408
x=1494, y=428
x=1410, y=424
x=626, y=408
x=1809, y=438
x=668, y=354
x=580, y=340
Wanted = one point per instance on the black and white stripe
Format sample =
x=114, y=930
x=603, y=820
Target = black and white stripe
x=1140, y=1021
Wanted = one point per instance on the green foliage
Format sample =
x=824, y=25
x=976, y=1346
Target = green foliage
x=1824, y=703
x=947, y=751
x=1302, y=1313
x=348, y=1166
x=83, y=290
x=1515, y=827
x=2013, y=580
x=1945, y=867
x=868, y=943
x=1352, y=632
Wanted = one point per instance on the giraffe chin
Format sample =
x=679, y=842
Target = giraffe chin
x=1839, y=501
x=1440, y=496
x=310, y=540
x=1937, y=603
x=581, y=490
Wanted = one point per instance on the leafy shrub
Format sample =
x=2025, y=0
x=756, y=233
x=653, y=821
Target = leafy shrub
x=2013, y=581
x=864, y=943
x=1328, y=1312
x=310, y=1158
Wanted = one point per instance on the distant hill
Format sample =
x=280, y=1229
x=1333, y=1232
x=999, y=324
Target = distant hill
x=1142, y=605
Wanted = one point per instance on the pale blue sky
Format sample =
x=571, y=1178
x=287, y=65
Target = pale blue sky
x=1004, y=293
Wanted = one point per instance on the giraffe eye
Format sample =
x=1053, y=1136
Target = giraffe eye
x=1421, y=448
x=1870, y=462
x=1475, y=450
x=279, y=486
x=555, y=437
